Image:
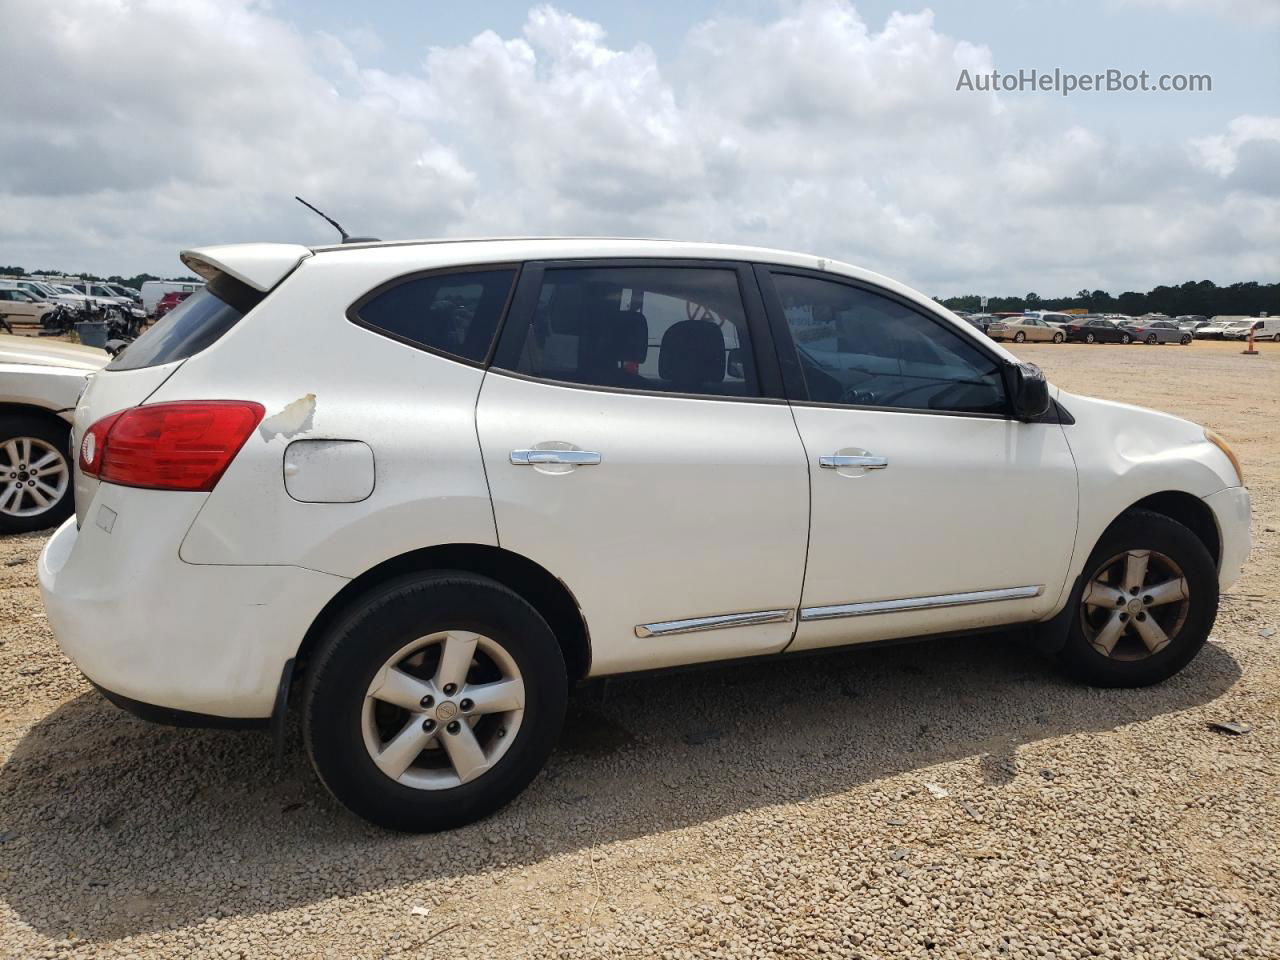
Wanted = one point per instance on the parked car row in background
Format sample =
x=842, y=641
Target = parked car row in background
x=1052, y=327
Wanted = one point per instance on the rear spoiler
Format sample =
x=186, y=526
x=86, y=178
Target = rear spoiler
x=257, y=265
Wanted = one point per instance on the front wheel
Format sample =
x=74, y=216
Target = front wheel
x=1125, y=338
x=1058, y=338
x=434, y=702
x=35, y=473
x=1145, y=606
x=1019, y=337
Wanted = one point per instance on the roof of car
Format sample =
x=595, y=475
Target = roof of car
x=263, y=265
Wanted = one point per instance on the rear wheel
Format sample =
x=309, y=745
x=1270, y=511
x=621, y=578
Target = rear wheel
x=1185, y=339
x=435, y=702
x=1145, y=606
x=1090, y=338
x=1276, y=338
x=1058, y=338
x=35, y=473
x=1019, y=337
x=1151, y=338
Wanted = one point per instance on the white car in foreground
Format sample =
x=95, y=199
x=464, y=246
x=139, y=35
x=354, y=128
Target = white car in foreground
x=429, y=486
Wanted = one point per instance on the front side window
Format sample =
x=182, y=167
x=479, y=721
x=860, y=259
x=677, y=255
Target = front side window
x=860, y=348
x=453, y=313
x=666, y=329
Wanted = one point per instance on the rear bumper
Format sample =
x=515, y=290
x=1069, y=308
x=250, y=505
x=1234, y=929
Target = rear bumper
x=168, y=637
x=1231, y=510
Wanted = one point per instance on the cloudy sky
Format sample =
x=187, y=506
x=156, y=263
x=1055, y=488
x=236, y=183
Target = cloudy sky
x=130, y=129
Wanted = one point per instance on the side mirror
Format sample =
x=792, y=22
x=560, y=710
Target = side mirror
x=1028, y=390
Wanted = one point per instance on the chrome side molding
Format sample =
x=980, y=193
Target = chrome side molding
x=839, y=610
x=668, y=628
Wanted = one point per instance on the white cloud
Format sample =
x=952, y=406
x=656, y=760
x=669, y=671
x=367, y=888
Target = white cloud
x=811, y=131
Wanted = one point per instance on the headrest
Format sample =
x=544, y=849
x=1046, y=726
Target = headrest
x=692, y=353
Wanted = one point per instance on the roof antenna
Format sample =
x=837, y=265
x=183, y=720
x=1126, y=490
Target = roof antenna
x=336, y=225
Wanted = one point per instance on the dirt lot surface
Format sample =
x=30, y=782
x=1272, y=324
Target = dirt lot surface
x=955, y=799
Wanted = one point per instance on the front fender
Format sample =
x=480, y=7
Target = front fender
x=1124, y=454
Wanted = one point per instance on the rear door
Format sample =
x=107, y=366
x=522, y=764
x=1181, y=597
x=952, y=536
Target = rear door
x=932, y=509
x=638, y=446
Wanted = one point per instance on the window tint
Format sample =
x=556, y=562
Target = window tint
x=193, y=325
x=675, y=329
x=455, y=313
x=862, y=349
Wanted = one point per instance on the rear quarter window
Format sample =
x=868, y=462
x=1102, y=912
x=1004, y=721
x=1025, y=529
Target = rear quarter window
x=195, y=324
x=455, y=313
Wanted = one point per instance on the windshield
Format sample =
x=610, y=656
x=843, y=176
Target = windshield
x=196, y=323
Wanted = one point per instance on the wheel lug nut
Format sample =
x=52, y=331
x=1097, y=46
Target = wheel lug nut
x=1142, y=616
x=1124, y=617
x=502, y=732
x=428, y=725
x=450, y=689
x=1133, y=591
x=454, y=726
x=1147, y=600
x=466, y=704
x=427, y=701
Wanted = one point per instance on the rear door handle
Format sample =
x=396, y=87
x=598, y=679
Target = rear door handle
x=577, y=458
x=867, y=462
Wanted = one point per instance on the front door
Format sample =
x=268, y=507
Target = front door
x=933, y=510
x=633, y=452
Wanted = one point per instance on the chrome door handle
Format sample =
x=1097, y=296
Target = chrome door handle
x=577, y=458
x=866, y=462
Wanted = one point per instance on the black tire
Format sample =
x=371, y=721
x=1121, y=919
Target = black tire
x=57, y=435
x=1090, y=338
x=1144, y=530
x=1186, y=339
x=1019, y=337
x=355, y=649
x=1058, y=338
x=1125, y=338
x=1151, y=339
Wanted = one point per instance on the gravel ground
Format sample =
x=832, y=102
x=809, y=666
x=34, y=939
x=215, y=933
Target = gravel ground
x=955, y=799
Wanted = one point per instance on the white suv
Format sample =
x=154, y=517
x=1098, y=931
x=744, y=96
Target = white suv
x=431, y=485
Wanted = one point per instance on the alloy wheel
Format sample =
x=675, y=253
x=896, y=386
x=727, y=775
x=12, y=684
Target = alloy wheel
x=34, y=476
x=443, y=710
x=1134, y=605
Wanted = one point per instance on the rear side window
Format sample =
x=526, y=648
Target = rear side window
x=672, y=329
x=193, y=325
x=452, y=313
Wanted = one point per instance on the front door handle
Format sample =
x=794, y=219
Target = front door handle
x=867, y=462
x=576, y=458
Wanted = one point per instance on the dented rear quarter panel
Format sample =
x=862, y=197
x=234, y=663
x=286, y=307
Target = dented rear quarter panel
x=319, y=376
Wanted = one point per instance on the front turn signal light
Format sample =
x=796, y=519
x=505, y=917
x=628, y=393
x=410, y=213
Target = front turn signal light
x=1221, y=444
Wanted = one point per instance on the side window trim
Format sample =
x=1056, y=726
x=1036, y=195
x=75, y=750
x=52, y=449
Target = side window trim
x=518, y=319
x=353, y=311
x=793, y=376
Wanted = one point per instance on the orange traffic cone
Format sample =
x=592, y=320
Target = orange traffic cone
x=1250, y=352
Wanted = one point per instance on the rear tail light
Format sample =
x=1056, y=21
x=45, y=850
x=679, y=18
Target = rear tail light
x=169, y=446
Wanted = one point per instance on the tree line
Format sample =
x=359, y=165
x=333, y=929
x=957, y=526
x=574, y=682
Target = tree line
x=1203, y=297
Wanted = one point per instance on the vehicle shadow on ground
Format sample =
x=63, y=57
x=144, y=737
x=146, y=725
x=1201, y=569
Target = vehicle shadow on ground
x=112, y=827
